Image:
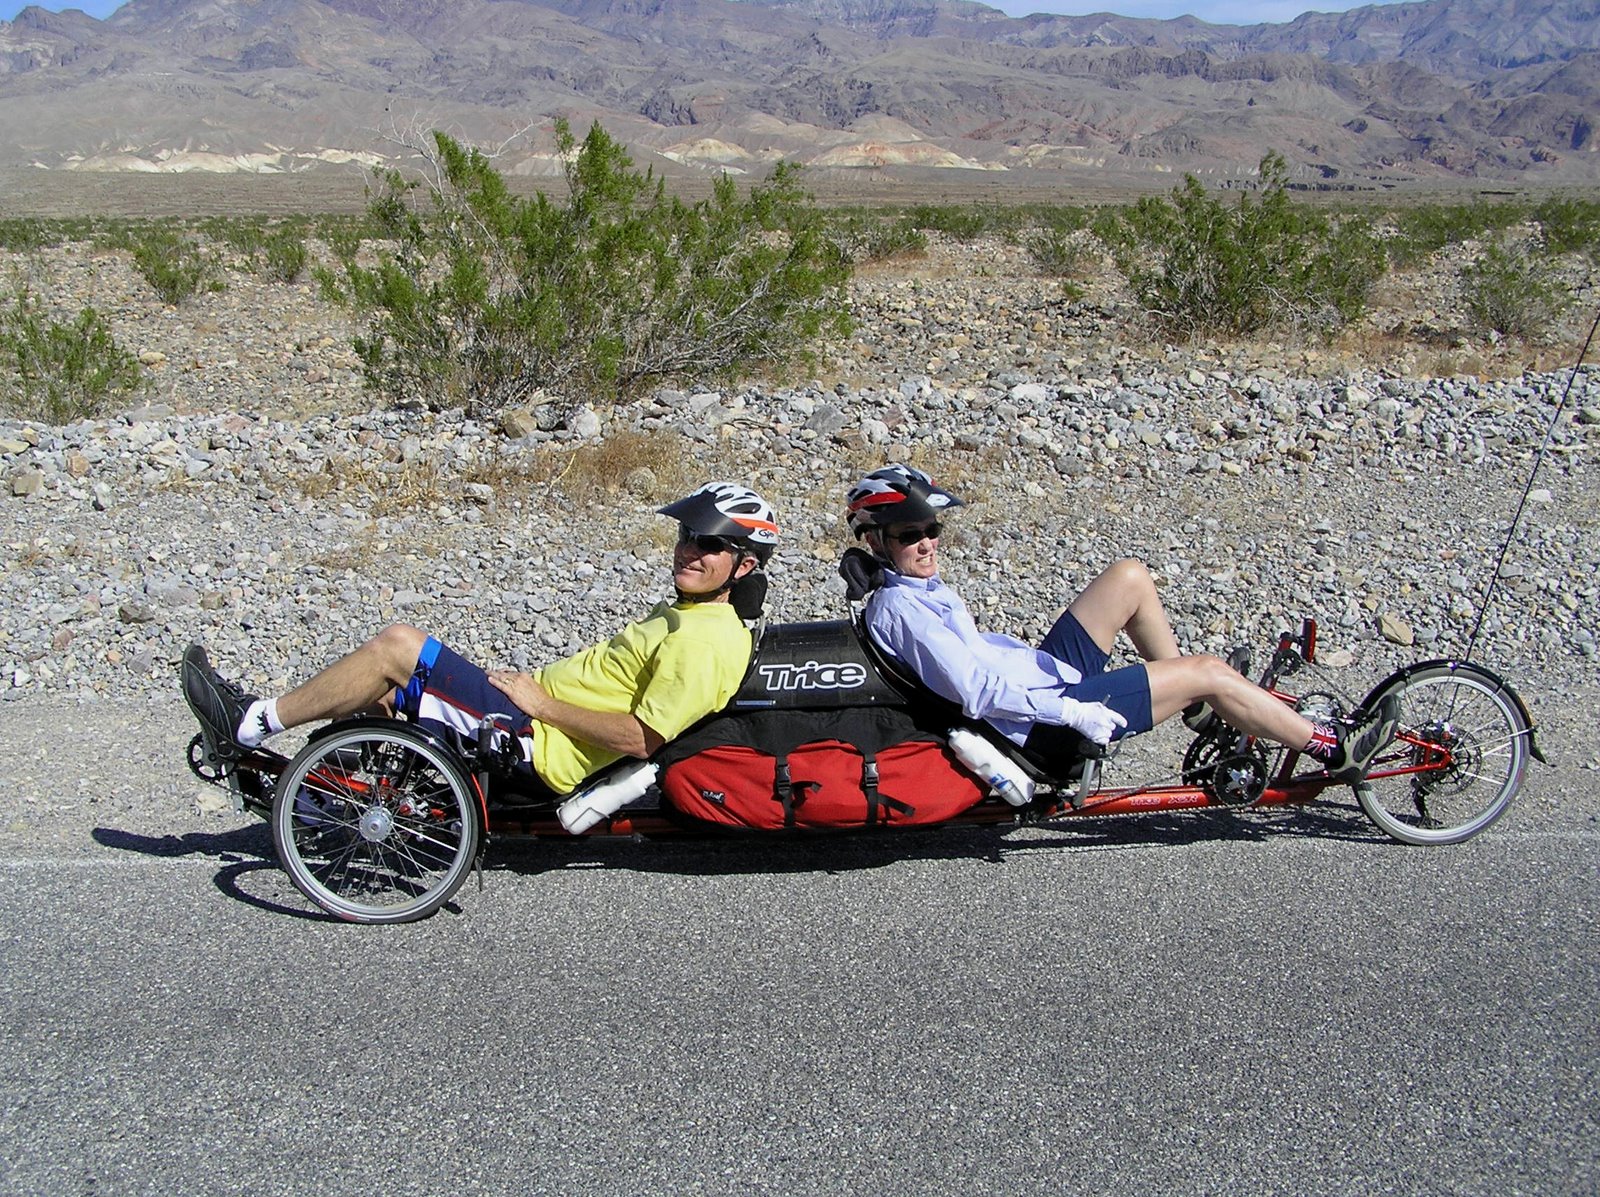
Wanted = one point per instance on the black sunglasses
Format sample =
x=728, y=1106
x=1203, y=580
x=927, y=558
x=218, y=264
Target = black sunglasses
x=912, y=536
x=705, y=543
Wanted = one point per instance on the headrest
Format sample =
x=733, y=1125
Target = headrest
x=862, y=573
x=749, y=595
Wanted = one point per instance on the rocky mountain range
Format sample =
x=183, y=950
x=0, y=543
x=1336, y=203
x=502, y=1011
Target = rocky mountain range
x=1485, y=91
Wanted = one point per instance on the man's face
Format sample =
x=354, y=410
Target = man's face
x=704, y=564
x=913, y=549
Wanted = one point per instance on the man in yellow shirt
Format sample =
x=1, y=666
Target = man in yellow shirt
x=625, y=696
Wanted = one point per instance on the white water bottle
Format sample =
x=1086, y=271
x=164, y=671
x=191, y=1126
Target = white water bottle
x=605, y=798
x=1004, y=775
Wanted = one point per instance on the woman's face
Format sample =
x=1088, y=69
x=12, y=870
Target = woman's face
x=913, y=549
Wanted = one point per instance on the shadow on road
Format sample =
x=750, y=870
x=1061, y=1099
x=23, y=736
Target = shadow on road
x=247, y=854
x=244, y=852
x=730, y=853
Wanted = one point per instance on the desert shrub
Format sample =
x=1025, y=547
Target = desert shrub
x=1429, y=227
x=1511, y=292
x=483, y=297
x=172, y=263
x=876, y=236
x=117, y=233
x=343, y=234
x=1055, y=218
x=244, y=235
x=1569, y=225
x=963, y=222
x=58, y=372
x=284, y=252
x=659, y=462
x=22, y=234
x=1058, y=254
x=1198, y=264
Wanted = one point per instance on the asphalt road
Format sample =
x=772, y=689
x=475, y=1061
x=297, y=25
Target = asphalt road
x=1260, y=1003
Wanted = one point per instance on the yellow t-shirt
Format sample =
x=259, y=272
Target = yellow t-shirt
x=677, y=664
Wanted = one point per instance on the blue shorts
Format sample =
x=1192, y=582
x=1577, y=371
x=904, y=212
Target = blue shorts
x=449, y=693
x=1126, y=691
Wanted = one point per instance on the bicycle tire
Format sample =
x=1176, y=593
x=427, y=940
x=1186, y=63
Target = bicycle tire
x=1458, y=759
x=376, y=824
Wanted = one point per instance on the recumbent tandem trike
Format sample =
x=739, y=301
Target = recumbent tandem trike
x=380, y=821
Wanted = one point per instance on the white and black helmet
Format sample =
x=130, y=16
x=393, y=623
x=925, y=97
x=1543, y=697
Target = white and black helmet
x=729, y=510
x=896, y=494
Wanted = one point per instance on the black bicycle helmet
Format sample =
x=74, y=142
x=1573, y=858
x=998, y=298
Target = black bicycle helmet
x=730, y=510
x=896, y=494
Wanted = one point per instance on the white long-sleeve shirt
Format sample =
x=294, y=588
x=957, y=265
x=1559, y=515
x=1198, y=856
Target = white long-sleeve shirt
x=925, y=625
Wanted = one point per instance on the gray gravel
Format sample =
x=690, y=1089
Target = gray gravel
x=1376, y=505
x=253, y=500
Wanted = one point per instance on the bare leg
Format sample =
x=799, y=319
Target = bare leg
x=357, y=682
x=1124, y=598
x=1174, y=684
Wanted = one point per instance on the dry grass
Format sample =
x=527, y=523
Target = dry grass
x=650, y=465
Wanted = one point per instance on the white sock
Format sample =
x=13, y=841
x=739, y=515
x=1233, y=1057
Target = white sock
x=259, y=722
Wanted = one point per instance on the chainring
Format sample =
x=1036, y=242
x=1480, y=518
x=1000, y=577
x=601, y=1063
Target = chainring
x=1228, y=776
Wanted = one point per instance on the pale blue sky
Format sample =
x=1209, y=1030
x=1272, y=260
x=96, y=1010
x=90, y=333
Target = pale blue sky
x=1227, y=12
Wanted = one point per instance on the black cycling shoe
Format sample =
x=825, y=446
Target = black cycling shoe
x=1198, y=716
x=218, y=705
x=1362, y=739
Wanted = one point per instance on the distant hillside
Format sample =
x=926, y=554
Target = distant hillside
x=1503, y=90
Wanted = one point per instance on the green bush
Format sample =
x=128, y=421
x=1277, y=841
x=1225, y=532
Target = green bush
x=1429, y=227
x=244, y=235
x=1570, y=225
x=1508, y=291
x=174, y=265
x=1198, y=264
x=23, y=233
x=1057, y=253
x=483, y=297
x=61, y=372
x=343, y=235
x=119, y=234
x=964, y=222
x=285, y=253
x=1055, y=218
x=875, y=236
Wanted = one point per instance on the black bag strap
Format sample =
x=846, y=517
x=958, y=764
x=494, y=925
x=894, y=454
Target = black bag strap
x=875, y=800
x=786, y=790
x=783, y=787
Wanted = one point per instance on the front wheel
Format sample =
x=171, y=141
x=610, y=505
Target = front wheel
x=1457, y=760
x=376, y=824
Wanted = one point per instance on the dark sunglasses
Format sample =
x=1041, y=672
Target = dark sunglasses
x=912, y=536
x=705, y=543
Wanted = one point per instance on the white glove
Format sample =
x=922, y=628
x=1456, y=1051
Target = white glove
x=1092, y=720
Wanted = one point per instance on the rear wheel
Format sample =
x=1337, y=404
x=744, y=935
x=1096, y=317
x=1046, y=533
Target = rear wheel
x=376, y=824
x=1456, y=762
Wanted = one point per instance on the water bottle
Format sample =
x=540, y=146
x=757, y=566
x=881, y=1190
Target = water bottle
x=1004, y=775
x=605, y=798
